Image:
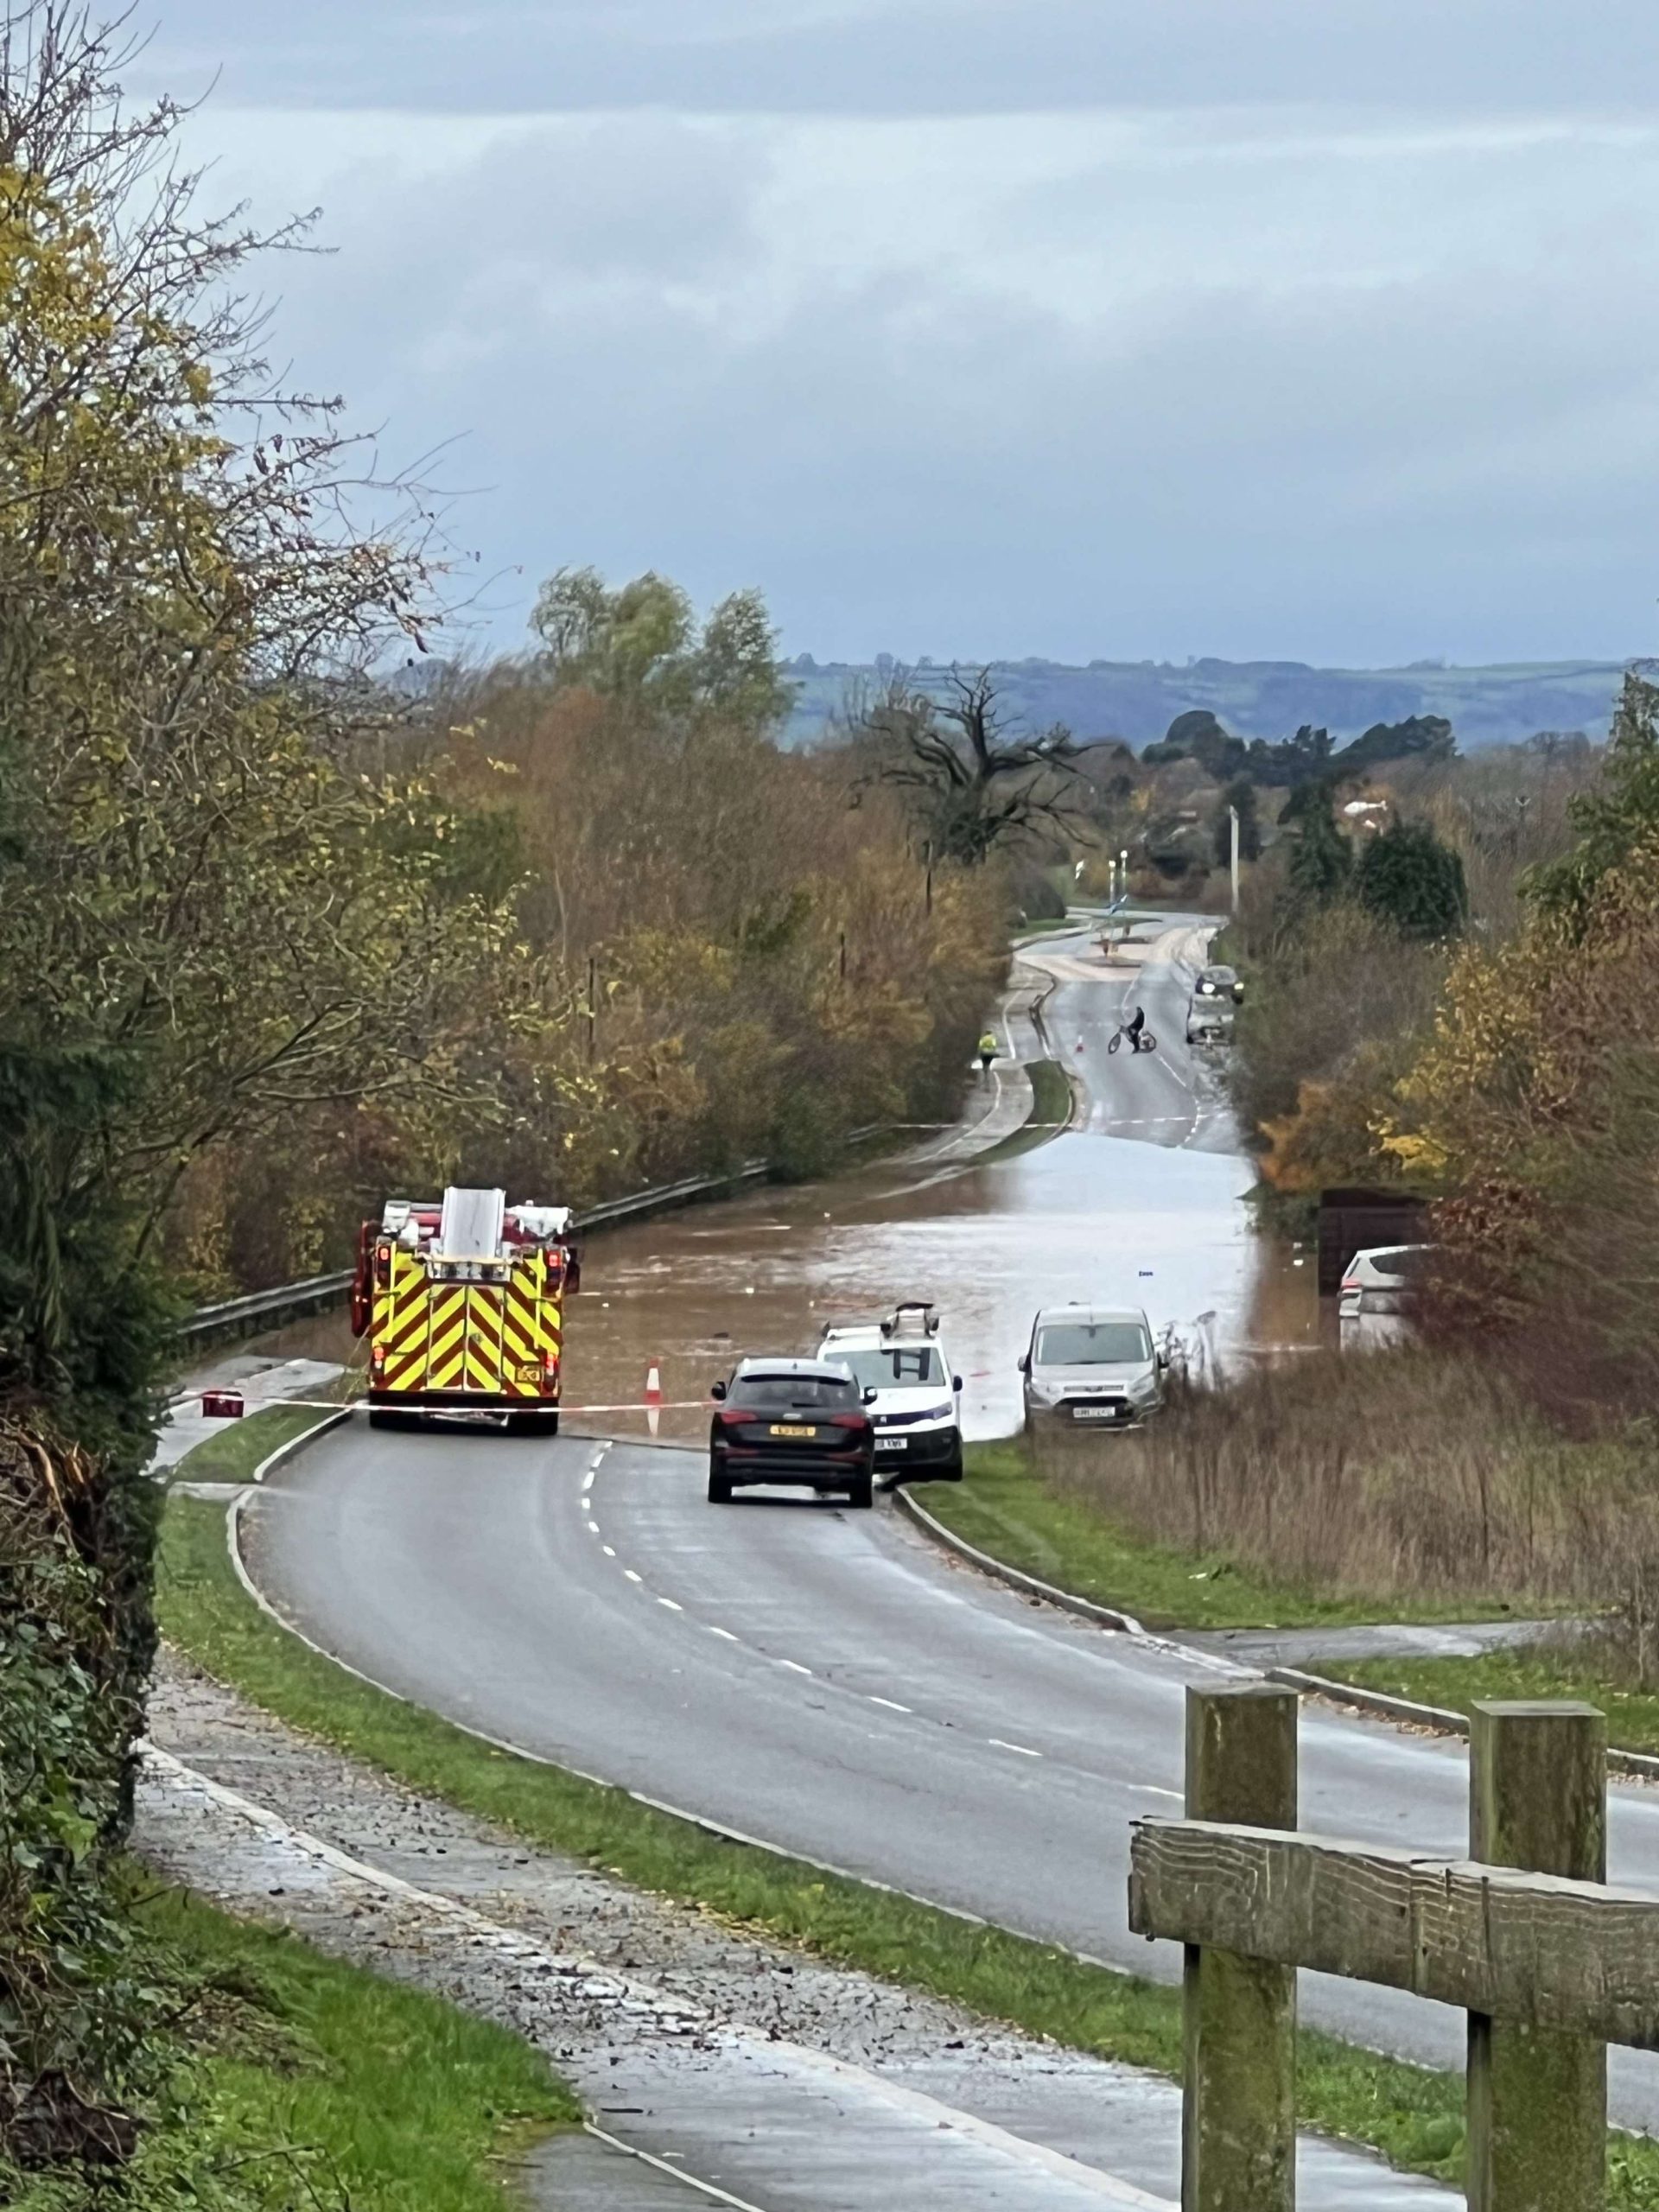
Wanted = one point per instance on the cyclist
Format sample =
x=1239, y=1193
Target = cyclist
x=1133, y=1027
x=987, y=1050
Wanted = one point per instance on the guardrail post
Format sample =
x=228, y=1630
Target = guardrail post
x=1238, y=2121
x=1537, y=2098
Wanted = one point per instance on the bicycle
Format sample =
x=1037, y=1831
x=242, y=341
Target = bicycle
x=1145, y=1042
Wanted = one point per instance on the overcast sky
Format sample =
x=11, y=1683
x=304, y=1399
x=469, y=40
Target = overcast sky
x=1129, y=328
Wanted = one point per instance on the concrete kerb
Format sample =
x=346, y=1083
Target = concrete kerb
x=1435, y=1719
x=1105, y=1617
x=297, y=1443
x=491, y=1933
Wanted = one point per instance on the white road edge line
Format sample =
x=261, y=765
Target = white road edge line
x=1024, y=1750
x=794, y=1666
x=666, y=2166
x=673, y=1605
x=609, y=1550
x=513, y=1942
x=1019, y=2149
x=705, y=1822
x=725, y=1632
x=892, y=1705
x=633, y=1577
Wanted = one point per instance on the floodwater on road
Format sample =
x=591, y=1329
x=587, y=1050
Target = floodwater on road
x=1085, y=1217
x=1154, y=1216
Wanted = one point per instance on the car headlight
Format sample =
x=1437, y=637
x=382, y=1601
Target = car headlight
x=939, y=1412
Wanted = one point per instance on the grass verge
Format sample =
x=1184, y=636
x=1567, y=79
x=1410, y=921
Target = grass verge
x=292, y=2079
x=1540, y=1671
x=1006, y=1508
x=1414, y=2116
x=1050, y=1111
x=232, y=1454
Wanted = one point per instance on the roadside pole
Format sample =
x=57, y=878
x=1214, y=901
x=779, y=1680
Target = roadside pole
x=1233, y=811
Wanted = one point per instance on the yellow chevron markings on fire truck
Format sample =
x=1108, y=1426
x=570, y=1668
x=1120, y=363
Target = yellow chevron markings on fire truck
x=444, y=1353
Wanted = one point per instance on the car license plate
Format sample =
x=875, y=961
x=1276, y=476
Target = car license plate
x=893, y=1444
x=792, y=1428
x=1094, y=1413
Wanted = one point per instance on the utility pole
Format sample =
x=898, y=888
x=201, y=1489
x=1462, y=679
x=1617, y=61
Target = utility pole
x=593, y=1005
x=1123, y=874
x=1233, y=810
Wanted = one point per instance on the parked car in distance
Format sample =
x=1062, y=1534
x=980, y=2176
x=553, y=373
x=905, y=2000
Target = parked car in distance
x=799, y=1421
x=1381, y=1280
x=1209, y=1020
x=1217, y=982
x=914, y=1398
x=1092, y=1364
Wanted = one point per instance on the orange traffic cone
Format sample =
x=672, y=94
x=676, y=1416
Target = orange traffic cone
x=653, y=1399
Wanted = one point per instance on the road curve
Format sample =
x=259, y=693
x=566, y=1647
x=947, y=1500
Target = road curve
x=816, y=1679
x=819, y=1679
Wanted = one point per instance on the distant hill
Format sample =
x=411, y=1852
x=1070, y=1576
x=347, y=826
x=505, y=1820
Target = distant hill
x=1138, y=700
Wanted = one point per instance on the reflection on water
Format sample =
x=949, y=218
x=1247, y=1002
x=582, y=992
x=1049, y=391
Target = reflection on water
x=1087, y=1217
x=1084, y=1217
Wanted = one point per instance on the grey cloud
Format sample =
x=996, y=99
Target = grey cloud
x=916, y=57
x=1447, y=460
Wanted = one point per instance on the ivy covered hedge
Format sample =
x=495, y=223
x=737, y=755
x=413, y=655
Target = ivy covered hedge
x=75, y=1643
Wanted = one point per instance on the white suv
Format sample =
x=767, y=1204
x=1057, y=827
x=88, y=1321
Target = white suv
x=917, y=1407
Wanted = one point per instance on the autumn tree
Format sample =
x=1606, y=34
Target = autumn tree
x=973, y=783
x=641, y=642
x=213, y=917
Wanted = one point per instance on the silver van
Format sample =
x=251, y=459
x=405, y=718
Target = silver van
x=1095, y=1364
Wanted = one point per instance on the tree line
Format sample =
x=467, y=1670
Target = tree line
x=279, y=935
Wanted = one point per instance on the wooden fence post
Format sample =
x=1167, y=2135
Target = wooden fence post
x=1537, y=2098
x=1239, y=2124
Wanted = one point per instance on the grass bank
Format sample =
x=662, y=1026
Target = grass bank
x=1051, y=1524
x=1412, y=2114
x=1050, y=1111
x=1540, y=1671
x=1407, y=1484
x=230, y=1454
x=290, y=2079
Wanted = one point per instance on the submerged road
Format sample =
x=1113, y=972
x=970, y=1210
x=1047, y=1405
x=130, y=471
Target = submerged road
x=818, y=1679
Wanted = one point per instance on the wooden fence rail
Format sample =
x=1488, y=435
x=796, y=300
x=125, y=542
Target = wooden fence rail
x=1550, y=1964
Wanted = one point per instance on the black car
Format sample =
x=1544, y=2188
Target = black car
x=791, y=1420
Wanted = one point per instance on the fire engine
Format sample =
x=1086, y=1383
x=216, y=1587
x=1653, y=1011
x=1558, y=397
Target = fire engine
x=462, y=1303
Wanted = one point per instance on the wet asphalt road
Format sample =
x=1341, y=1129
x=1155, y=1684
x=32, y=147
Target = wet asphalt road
x=817, y=1678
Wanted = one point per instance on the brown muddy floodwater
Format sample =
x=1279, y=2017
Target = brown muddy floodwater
x=1086, y=1216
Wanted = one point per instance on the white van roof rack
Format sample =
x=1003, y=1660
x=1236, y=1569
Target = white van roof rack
x=913, y=1317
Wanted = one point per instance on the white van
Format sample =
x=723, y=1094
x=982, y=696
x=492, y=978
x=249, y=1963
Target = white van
x=1095, y=1365
x=917, y=1407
